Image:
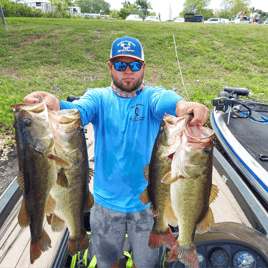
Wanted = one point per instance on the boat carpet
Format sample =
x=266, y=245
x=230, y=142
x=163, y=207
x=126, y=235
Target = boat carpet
x=252, y=135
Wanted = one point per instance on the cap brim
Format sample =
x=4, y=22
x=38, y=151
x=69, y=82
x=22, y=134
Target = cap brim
x=129, y=56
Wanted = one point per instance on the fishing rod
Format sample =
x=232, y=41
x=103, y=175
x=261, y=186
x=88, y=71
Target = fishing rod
x=180, y=68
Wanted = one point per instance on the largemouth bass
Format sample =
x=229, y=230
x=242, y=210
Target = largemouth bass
x=71, y=192
x=191, y=189
x=156, y=192
x=37, y=170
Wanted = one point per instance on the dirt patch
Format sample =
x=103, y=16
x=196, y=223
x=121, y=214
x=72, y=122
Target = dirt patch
x=9, y=167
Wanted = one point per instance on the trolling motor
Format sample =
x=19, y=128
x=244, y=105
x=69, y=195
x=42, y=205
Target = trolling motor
x=72, y=98
x=228, y=101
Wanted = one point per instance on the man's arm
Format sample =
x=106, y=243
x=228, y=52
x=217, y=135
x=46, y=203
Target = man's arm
x=52, y=102
x=200, y=111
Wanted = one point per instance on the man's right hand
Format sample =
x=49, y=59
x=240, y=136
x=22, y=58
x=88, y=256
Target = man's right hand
x=52, y=102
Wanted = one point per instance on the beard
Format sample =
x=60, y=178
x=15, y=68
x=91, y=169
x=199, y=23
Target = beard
x=130, y=88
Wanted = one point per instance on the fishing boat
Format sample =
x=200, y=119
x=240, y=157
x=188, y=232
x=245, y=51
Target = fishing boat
x=239, y=237
x=241, y=127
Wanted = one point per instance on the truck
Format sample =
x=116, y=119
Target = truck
x=191, y=17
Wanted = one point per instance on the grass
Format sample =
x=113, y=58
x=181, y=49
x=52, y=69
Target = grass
x=66, y=56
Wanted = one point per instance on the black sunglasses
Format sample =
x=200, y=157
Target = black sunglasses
x=121, y=66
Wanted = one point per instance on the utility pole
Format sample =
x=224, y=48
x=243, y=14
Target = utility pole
x=2, y=15
x=170, y=12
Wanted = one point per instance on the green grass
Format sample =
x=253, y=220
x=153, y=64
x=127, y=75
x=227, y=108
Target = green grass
x=66, y=56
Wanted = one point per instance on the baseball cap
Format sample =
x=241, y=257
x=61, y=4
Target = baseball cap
x=127, y=46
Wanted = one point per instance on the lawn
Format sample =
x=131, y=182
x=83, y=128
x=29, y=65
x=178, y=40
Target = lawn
x=66, y=56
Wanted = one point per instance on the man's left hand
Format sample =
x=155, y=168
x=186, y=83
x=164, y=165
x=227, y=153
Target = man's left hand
x=200, y=112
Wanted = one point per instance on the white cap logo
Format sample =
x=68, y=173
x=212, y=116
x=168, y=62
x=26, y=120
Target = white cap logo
x=126, y=45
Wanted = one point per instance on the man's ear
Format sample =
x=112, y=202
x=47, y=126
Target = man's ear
x=144, y=65
x=110, y=66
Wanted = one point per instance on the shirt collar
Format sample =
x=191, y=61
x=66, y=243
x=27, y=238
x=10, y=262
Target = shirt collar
x=126, y=94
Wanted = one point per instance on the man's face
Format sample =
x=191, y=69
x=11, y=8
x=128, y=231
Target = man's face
x=127, y=80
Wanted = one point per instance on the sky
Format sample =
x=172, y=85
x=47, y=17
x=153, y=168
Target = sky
x=177, y=6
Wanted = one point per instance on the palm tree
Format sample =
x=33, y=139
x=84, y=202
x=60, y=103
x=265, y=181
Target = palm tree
x=144, y=5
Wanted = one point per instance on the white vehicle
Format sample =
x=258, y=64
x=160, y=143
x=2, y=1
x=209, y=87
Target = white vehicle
x=152, y=18
x=225, y=21
x=242, y=20
x=179, y=20
x=213, y=20
x=134, y=17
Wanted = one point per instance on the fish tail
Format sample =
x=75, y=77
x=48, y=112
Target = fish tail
x=37, y=247
x=186, y=255
x=158, y=239
x=77, y=245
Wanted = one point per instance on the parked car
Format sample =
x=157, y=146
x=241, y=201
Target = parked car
x=134, y=17
x=179, y=20
x=152, y=18
x=242, y=20
x=213, y=20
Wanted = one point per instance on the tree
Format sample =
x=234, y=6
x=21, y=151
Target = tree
x=94, y=6
x=114, y=14
x=233, y=7
x=143, y=5
x=195, y=6
x=128, y=9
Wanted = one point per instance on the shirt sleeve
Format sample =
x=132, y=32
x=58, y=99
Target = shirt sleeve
x=164, y=101
x=87, y=106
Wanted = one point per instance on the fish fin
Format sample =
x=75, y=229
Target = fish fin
x=146, y=172
x=20, y=180
x=168, y=179
x=90, y=202
x=49, y=219
x=24, y=217
x=51, y=204
x=57, y=224
x=186, y=255
x=144, y=197
x=62, y=179
x=206, y=222
x=169, y=215
x=90, y=174
x=58, y=160
x=37, y=247
x=77, y=245
x=156, y=240
x=213, y=193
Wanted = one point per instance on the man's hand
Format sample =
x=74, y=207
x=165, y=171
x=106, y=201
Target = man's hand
x=200, y=111
x=52, y=102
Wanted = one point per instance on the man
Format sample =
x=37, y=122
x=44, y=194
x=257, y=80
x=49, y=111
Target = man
x=126, y=117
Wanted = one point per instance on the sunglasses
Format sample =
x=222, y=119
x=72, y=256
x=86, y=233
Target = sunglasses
x=121, y=66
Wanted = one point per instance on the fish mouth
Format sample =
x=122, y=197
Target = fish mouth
x=171, y=156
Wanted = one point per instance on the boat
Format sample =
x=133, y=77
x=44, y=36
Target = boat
x=241, y=128
x=239, y=237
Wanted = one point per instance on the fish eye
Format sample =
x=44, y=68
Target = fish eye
x=206, y=150
x=27, y=122
x=80, y=129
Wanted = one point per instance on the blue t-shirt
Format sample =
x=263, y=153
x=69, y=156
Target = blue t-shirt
x=125, y=132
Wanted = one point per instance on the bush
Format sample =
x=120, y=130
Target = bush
x=12, y=9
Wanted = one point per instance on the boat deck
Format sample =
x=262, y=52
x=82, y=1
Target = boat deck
x=14, y=240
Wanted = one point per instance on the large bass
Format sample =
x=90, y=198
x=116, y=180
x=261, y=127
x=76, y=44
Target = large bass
x=71, y=192
x=37, y=170
x=191, y=189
